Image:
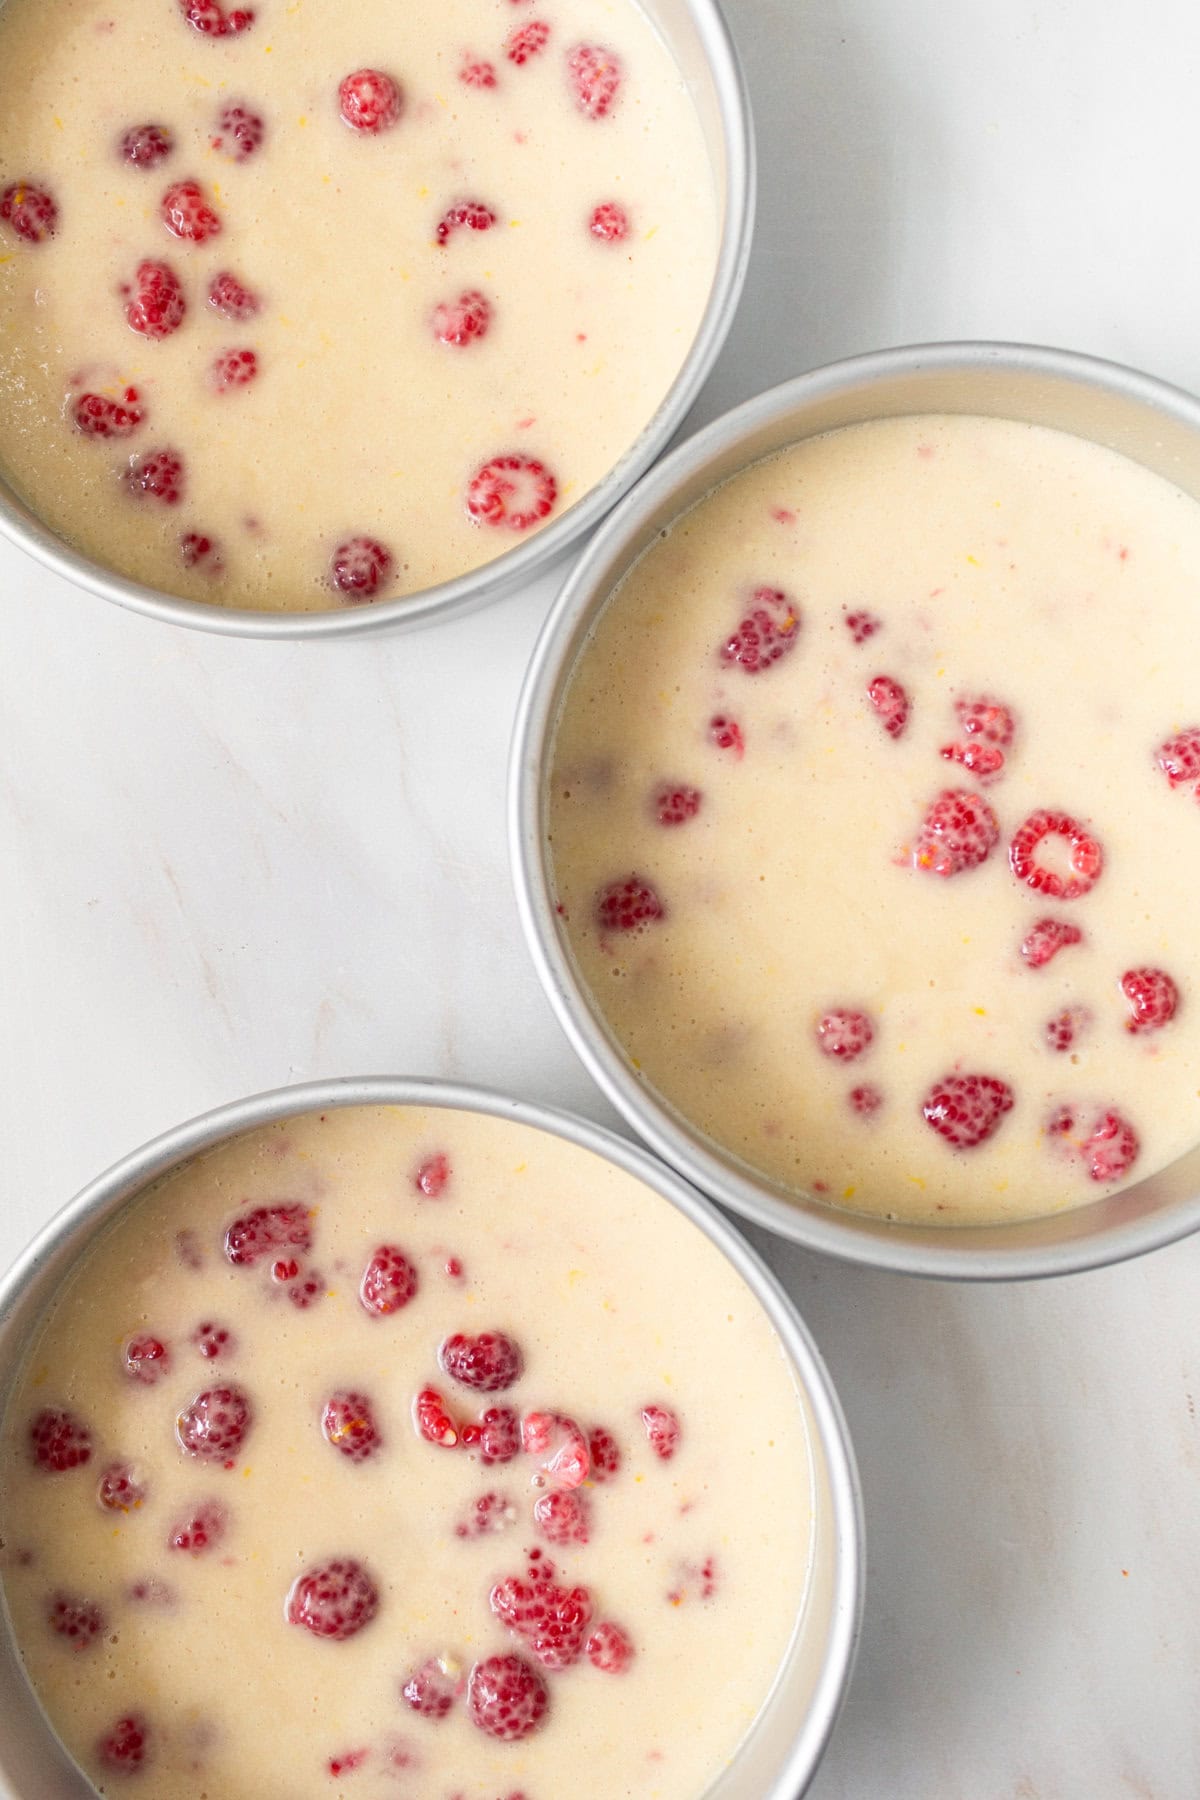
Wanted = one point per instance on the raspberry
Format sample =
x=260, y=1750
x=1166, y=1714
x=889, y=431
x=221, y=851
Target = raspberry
x=605, y=1454
x=471, y=215
x=432, y=1689
x=155, y=306
x=865, y=1100
x=552, y=1620
x=432, y=1175
x=306, y=1289
x=146, y=145
x=29, y=211
x=499, y=1435
x=676, y=805
x=240, y=132
x=506, y=1697
x=1061, y=1122
x=462, y=321
x=334, y=1600
x=389, y=1282
x=487, y=1363
x=198, y=551
x=1111, y=1149
x=890, y=702
x=862, y=624
x=767, y=633
x=594, y=77
x=474, y=72
x=609, y=222
x=726, y=734
x=1179, y=757
x=120, y=1490
x=213, y=20
x=347, y=1761
x=559, y=1446
x=369, y=101
x=146, y=1359
x=698, y=1577
x=844, y=1034
x=95, y=415
x=234, y=301
x=983, y=761
x=628, y=905
x=213, y=1340
x=214, y=1426
x=1046, y=939
x=124, y=1748
x=359, y=567
x=348, y=1423
x=513, y=491
x=1061, y=1031
x=266, y=1231
x=1085, y=859
x=232, y=369
x=188, y=214
x=79, y=1621
x=490, y=1513
x=1152, y=996
x=609, y=1649
x=158, y=476
x=527, y=41
x=966, y=1109
x=59, y=1441
x=200, y=1530
x=432, y=1421
x=957, y=833
x=563, y=1516
x=986, y=718
x=662, y=1429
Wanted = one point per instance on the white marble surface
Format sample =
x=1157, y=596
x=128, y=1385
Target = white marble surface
x=227, y=865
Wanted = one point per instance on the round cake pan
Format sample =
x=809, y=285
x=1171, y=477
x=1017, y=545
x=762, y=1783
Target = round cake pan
x=696, y=34
x=778, y=1758
x=1153, y=424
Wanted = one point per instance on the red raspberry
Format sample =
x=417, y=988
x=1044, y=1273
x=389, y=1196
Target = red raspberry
x=526, y=41
x=563, y=1516
x=726, y=734
x=213, y=20
x=957, y=833
x=862, y=624
x=488, y=1363
x=146, y=1359
x=865, y=1100
x=768, y=632
x=890, y=702
x=359, y=567
x=347, y=1761
x=462, y=321
x=432, y=1175
x=214, y=1426
x=266, y=1231
x=983, y=761
x=609, y=1649
x=146, y=145
x=1085, y=859
x=1064, y=1028
x=348, y=1423
x=676, y=805
x=966, y=1109
x=1111, y=1149
x=470, y=215
x=1152, y=996
x=628, y=905
x=59, y=1441
x=605, y=1454
x=1179, y=757
x=663, y=1430
x=552, y=1620
x=506, y=1697
x=986, y=718
x=844, y=1034
x=609, y=222
x=1046, y=939
x=490, y=1513
x=334, y=1600
x=157, y=476
x=120, y=1490
x=198, y=551
x=155, y=306
x=513, y=491
x=232, y=369
x=79, y=1621
x=29, y=211
x=308, y=1287
x=240, y=132
x=559, y=1446
x=702, y=1578
x=188, y=214
x=432, y=1690
x=499, y=1435
x=370, y=101
x=124, y=1749
x=213, y=1340
x=594, y=77
x=1061, y=1122
x=95, y=415
x=432, y=1421
x=389, y=1282
x=200, y=1530
x=474, y=72
x=232, y=299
